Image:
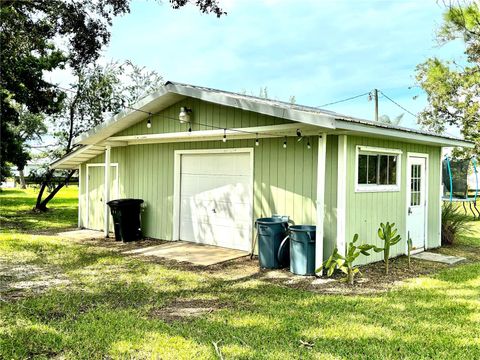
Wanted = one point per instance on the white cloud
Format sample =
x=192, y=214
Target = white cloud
x=316, y=50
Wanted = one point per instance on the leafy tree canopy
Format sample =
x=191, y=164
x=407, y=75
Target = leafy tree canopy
x=453, y=89
x=97, y=93
x=38, y=36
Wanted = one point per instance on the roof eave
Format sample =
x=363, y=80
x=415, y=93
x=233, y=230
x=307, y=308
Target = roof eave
x=401, y=135
x=318, y=119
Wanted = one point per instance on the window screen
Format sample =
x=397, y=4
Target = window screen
x=377, y=169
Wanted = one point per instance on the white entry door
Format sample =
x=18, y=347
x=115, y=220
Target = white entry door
x=96, y=194
x=416, y=200
x=216, y=198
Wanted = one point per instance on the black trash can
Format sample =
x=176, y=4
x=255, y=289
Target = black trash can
x=271, y=232
x=126, y=219
x=302, y=249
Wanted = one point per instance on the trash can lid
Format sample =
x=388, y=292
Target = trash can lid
x=270, y=220
x=300, y=228
x=120, y=202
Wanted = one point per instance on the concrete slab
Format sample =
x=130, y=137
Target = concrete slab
x=82, y=234
x=445, y=259
x=197, y=254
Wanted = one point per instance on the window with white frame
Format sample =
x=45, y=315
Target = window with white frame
x=377, y=169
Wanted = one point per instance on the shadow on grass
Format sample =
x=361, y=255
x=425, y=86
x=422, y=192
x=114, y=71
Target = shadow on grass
x=16, y=211
x=111, y=322
x=107, y=309
x=29, y=221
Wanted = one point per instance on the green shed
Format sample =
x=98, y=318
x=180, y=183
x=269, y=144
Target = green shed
x=208, y=163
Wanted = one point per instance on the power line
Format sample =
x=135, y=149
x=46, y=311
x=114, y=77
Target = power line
x=152, y=115
x=396, y=103
x=343, y=100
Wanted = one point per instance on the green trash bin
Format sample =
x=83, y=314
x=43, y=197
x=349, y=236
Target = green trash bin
x=126, y=219
x=302, y=249
x=271, y=231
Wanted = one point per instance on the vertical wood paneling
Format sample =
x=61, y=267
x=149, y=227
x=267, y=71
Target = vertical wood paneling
x=284, y=179
x=330, y=222
x=365, y=211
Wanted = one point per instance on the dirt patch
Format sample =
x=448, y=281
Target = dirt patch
x=111, y=244
x=18, y=280
x=372, y=279
x=186, y=309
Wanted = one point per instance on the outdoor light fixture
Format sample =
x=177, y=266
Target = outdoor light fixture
x=285, y=143
x=224, y=135
x=256, y=141
x=184, y=115
x=149, y=121
x=308, y=144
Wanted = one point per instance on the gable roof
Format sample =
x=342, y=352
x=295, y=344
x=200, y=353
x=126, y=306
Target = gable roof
x=172, y=92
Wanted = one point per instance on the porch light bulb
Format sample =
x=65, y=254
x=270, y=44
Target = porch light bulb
x=184, y=115
x=308, y=145
x=149, y=123
x=257, y=142
x=285, y=143
x=224, y=135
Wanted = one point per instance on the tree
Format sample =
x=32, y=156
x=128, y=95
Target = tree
x=453, y=89
x=30, y=127
x=43, y=35
x=98, y=93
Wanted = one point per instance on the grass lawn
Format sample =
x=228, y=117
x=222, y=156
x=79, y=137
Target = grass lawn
x=74, y=300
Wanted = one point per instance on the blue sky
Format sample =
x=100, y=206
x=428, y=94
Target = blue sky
x=319, y=51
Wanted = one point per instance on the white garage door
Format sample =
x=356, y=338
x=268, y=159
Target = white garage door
x=216, y=198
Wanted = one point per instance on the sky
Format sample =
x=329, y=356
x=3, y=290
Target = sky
x=316, y=50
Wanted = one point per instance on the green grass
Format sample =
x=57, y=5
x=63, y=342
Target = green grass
x=106, y=305
x=16, y=210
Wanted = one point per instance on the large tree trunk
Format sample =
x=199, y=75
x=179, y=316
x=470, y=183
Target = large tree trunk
x=45, y=182
x=41, y=205
x=21, y=175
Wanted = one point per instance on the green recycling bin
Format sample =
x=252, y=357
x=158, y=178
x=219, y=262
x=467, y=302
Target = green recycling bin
x=271, y=231
x=126, y=219
x=302, y=249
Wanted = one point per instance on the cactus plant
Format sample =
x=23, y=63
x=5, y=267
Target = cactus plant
x=388, y=234
x=345, y=263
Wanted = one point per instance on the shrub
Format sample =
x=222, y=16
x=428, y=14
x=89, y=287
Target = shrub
x=453, y=223
x=345, y=263
x=388, y=234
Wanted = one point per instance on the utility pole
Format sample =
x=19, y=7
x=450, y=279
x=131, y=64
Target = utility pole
x=375, y=98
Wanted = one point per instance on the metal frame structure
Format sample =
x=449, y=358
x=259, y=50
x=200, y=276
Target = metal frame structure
x=474, y=210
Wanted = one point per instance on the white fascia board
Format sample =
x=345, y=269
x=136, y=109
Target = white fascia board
x=152, y=103
x=269, y=131
x=401, y=135
x=322, y=120
x=75, y=158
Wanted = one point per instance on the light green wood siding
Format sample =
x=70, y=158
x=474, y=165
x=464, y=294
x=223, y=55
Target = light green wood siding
x=205, y=116
x=331, y=179
x=284, y=179
x=365, y=211
x=82, y=202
